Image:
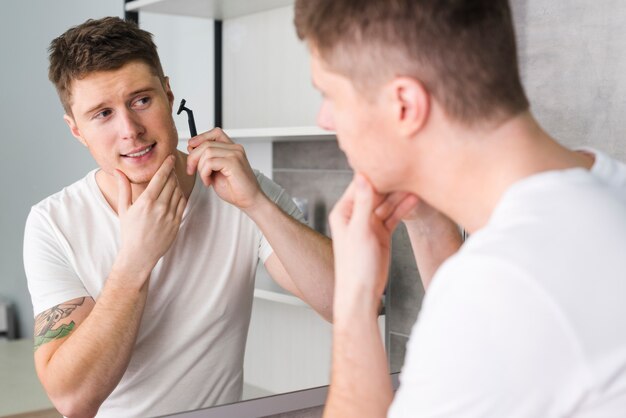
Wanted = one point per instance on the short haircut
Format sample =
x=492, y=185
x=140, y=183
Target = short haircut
x=463, y=51
x=98, y=45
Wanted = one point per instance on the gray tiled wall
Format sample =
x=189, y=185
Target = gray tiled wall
x=319, y=171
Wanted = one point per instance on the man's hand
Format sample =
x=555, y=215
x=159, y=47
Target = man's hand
x=150, y=224
x=222, y=163
x=434, y=236
x=362, y=226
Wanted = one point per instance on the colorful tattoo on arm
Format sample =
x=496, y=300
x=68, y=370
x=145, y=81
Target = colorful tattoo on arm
x=46, y=321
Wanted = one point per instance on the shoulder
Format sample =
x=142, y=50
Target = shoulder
x=487, y=337
x=72, y=208
x=69, y=197
x=269, y=187
x=609, y=170
x=279, y=196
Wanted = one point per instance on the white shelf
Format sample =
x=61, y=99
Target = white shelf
x=297, y=133
x=211, y=9
x=294, y=133
x=279, y=297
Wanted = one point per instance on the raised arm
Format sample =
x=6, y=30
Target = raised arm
x=82, y=347
x=362, y=227
x=302, y=261
x=434, y=238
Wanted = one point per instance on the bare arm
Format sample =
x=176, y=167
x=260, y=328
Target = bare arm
x=302, y=261
x=434, y=237
x=433, y=240
x=362, y=227
x=82, y=347
x=82, y=365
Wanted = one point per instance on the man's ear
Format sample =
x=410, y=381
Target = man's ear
x=74, y=129
x=411, y=105
x=168, y=91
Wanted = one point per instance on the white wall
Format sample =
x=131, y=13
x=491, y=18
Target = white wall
x=185, y=46
x=267, y=80
x=39, y=156
x=573, y=64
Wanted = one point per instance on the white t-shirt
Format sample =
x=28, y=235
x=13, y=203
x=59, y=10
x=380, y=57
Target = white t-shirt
x=190, y=347
x=528, y=319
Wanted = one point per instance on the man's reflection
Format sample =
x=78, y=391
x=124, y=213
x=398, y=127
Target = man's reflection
x=141, y=274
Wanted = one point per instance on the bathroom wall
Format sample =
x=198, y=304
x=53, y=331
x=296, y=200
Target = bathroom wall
x=39, y=156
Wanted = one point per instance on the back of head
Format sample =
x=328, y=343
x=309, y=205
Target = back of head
x=463, y=51
x=98, y=45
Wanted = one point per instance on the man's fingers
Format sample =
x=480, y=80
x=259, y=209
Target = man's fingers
x=405, y=206
x=213, y=150
x=124, y=193
x=180, y=207
x=389, y=204
x=363, y=200
x=215, y=134
x=159, y=179
x=194, y=157
x=170, y=186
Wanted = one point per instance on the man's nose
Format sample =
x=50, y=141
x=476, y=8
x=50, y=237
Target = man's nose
x=130, y=125
x=325, y=117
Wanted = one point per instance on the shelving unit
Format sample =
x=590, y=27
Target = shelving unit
x=211, y=9
x=219, y=10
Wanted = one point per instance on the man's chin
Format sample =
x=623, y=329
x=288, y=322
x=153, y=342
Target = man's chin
x=140, y=179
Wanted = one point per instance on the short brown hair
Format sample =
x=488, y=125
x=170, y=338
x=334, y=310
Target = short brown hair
x=98, y=45
x=463, y=51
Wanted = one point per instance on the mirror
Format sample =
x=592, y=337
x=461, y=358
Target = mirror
x=258, y=93
x=288, y=345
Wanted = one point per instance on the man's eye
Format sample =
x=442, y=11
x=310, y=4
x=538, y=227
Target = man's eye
x=142, y=102
x=103, y=114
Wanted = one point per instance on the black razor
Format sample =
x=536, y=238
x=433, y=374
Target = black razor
x=192, y=123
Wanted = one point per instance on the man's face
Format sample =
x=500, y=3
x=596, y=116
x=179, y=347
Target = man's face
x=124, y=117
x=358, y=122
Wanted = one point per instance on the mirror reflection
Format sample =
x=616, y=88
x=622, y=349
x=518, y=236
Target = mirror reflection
x=141, y=274
x=200, y=313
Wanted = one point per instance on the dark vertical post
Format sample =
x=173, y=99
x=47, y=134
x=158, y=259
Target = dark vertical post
x=130, y=16
x=217, y=66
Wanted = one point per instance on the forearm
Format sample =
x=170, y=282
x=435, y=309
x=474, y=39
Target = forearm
x=360, y=383
x=305, y=254
x=86, y=368
x=433, y=241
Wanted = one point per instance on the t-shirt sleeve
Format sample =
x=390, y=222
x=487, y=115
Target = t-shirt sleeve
x=488, y=343
x=279, y=196
x=51, y=278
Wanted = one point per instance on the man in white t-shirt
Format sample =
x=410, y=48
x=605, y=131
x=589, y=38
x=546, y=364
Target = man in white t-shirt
x=527, y=318
x=141, y=274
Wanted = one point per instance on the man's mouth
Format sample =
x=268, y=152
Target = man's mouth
x=140, y=153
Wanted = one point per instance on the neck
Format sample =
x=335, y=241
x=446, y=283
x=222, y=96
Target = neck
x=108, y=183
x=465, y=172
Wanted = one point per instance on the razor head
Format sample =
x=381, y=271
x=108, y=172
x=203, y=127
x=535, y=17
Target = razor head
x=181, y=107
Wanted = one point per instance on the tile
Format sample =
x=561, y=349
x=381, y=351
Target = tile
x=322, y=188
x=309, y=155
x=405, y=290
x=397, y=351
